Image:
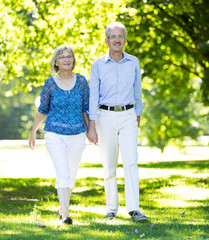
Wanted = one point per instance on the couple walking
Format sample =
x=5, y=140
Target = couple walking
x=110, y=113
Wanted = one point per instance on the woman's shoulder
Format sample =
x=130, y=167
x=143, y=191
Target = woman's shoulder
x=49, y=84
x=49, y=80
x=81, y=78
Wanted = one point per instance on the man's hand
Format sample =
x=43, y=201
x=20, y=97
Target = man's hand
x=92, y=133
x=138, y=120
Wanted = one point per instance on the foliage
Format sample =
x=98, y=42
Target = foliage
x=170, y=38
x=31, y=30
x=17, y=113
x=177, y=207
x=169, y=118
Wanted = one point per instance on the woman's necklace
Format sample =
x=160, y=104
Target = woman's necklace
x=67, y=84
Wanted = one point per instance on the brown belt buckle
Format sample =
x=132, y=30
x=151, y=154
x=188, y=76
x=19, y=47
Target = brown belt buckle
x=118, y=109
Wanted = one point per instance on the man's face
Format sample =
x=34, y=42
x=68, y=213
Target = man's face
x=116, y=40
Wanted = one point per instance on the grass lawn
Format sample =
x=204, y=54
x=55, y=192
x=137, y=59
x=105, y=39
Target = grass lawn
x=177, y=205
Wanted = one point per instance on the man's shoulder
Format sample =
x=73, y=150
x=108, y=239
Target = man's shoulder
x=131, y=57
x=100, y=59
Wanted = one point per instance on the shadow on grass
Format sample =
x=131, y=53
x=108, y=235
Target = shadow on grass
x=19, y=197
x=176, y=229
x=198, y=165
x=23, y=194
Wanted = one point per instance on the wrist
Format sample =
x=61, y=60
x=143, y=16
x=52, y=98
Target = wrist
x=91, y=124
x=33, y=133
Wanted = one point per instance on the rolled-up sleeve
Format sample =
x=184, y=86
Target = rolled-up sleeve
x=138, y=90
x=94, y=92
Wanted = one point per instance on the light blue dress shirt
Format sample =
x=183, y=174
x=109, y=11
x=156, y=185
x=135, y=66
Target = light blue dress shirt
x=115, y=84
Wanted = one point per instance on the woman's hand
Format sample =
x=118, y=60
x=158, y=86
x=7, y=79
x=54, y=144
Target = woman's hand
x=92, y=136
x=32, y=141
x=40, y=117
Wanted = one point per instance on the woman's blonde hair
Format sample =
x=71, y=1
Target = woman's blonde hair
x=57, y=52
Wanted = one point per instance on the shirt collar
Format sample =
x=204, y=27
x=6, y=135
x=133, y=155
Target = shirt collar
x=107, y=57
x=125, y=56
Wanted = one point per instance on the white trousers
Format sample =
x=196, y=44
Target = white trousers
x=65, y=152
x=119, y=129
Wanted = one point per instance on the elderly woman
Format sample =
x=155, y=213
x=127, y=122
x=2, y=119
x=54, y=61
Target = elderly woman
x=64, y=105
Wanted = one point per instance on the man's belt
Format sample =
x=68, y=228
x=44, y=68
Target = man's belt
x=116, y=108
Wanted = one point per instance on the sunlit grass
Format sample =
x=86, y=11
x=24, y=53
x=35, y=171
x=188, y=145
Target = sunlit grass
x=176, y=205
x=187, y=192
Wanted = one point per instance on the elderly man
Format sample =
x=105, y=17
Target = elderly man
x=115, y=89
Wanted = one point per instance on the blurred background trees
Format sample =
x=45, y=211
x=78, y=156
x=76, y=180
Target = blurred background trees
x=170, y=38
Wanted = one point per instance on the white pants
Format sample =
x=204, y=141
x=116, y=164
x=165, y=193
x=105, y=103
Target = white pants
x=65, y=152
x=119, y=129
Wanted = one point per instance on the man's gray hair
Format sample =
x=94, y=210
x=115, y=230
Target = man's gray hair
x=113, y=25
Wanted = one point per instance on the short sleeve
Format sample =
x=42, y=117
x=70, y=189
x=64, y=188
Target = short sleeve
x=45, y=96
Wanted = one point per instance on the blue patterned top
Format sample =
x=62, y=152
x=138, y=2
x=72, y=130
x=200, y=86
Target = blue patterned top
x=64, y=108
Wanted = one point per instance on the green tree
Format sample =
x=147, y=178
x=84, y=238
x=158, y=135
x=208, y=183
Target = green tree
x=169, y=37
x=172, y=36
x=31, y=30
x=17, y=112
x=168, y=119
x=171, y=40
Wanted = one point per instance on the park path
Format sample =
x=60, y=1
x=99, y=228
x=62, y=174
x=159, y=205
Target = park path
x=25, y=163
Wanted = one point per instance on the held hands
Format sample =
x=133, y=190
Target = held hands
x=92, y=135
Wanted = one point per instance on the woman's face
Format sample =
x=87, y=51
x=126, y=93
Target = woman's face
x=64, y=61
